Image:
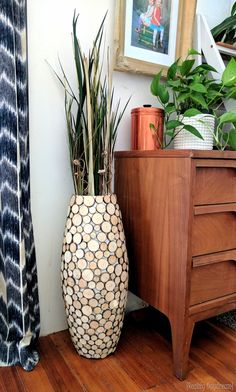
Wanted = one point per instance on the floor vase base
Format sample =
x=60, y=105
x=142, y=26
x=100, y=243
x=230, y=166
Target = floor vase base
x=94, y=274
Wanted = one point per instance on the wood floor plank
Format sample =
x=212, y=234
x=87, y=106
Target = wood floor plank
x=88, y=375
x=222, y=338
x=94, y=374
x=155, y=368
x=139, y=367
x=142, y=363
x=54, y=365
x=150, y=344
x=227, y=335
x=116, y=376
x=197, y=380
x=217, y=350
x=162, y=388
x=35, y=381
x=10, y=380
x=2, y=386
x=213, y=366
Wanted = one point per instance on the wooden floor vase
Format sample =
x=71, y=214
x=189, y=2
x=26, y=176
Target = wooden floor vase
x=94, y=274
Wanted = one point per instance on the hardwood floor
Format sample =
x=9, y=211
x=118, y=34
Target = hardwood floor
x=142, y=362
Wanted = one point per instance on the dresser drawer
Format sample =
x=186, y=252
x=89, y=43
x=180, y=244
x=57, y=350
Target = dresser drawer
x=213, y=276
x=215, y=182
x=214, y=228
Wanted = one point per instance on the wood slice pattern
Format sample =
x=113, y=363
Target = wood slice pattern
x=94, y=274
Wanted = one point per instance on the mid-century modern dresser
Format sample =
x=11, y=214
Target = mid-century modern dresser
x=179, y=214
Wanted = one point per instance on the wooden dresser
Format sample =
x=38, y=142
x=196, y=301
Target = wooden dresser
x=179, y=214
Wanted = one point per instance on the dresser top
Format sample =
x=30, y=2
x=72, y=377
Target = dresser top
x=213, y=154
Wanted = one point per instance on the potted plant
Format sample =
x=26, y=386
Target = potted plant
x=94, y=258
x=225, y=31
x=193, y=102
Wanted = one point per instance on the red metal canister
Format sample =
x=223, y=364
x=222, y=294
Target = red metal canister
x=142, y=136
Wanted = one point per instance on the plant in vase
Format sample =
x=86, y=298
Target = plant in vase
x=94, y=258
x=192, y=101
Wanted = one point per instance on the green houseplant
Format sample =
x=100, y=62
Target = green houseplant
x=190, y=92
x=94, y=258
x=225, y=31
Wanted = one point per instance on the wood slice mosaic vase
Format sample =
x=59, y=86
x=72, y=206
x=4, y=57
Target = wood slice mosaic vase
x=94, y=274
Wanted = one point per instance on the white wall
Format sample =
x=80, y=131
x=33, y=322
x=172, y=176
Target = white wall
x=214, y=10
x=49, y=35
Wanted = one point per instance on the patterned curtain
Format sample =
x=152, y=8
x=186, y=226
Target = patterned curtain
x=19, y=306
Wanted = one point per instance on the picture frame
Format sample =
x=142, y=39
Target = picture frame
x=129, y=60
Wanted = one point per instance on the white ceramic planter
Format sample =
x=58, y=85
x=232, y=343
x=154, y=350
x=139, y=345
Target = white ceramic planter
x=205, y=124
x=94, y=274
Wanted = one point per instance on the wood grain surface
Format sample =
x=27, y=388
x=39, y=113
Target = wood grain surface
x=179, y=205
x=141, y=363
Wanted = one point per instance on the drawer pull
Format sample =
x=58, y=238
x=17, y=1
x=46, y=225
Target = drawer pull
x=216, y=208
x=214, y=258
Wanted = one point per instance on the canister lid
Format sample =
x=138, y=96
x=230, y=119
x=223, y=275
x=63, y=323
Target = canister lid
x=147, y=109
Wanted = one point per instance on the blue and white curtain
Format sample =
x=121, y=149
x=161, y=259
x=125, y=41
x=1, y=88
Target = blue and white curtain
x=19, y=306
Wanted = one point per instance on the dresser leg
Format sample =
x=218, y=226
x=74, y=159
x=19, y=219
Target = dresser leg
x=181, y=332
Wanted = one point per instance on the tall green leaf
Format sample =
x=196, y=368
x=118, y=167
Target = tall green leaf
x=91, y=119
x=233, y=10
x=228, y=23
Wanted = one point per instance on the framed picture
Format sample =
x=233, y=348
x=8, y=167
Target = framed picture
x=151, y=34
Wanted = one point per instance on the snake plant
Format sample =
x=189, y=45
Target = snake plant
x=92, y=120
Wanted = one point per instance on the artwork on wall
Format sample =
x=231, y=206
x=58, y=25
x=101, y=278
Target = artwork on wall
x=151, y=34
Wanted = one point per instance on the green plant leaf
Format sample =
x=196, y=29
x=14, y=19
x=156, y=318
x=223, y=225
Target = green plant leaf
x=170, y=133
x=230, y=138
x=173, y=83
x=170, y=108
x=163, y=94
x=182, y=97
x=191, y=112
x=186, y=66
x=152, y=126
x=172, y=70
x=203, y=67
x=198, y=87
x=173, y=124
x=233, y=10
x=155, y=84
x=232, y=93
x=193, y=130
x=229, y=74
x=193, y=52
x=212, y=94
x=228, y=23
x=229, y=117
x=199, y=99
